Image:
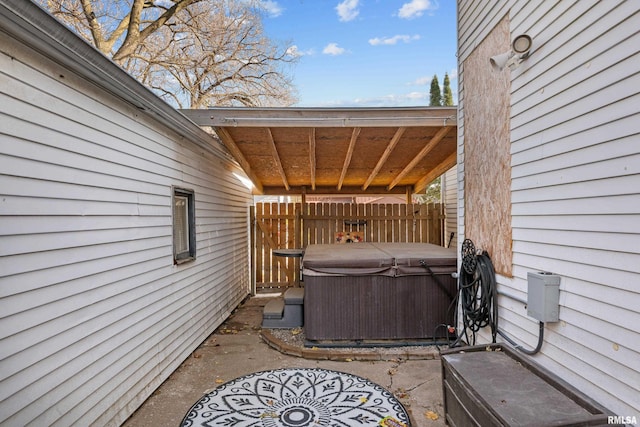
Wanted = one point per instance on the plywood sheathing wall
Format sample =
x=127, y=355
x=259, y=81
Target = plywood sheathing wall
x=487, y=150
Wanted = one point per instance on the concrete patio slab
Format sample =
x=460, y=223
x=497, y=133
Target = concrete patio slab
x=236, y=349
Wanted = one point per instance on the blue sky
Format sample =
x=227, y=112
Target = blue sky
x=366, y=53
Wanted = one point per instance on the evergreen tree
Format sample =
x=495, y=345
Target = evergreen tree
x=447, y=96
x=435, y=96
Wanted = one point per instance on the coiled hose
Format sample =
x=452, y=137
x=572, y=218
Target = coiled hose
x=478, y=298
x=477, y=288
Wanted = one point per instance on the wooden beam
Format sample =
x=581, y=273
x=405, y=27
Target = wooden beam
x=347, y=159
x=276, y=158
x=228, y=141
x=312, y=156
x=331, y=190
x=447, y=164
x=323, y=117
x=412, y=164
x=385, y=156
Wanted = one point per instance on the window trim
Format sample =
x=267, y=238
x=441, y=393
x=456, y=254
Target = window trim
x=190, y=253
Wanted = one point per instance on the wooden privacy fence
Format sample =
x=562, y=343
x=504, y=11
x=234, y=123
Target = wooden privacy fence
x=292, y=225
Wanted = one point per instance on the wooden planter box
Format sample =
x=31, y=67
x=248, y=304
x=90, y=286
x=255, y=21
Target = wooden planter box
x=494, y=385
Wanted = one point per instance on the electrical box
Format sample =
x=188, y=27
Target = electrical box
x=543, y=296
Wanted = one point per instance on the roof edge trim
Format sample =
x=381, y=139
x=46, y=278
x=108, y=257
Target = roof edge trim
x=324, y=117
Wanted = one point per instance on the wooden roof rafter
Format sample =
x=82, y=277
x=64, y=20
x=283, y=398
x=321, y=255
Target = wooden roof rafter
x=294, y=150
x=385, y=156
x=231, y=145
x=447, y=164
x=331, y=189
x=347, y=158
x=425, y=150
x=276, y=159
x=312, y=157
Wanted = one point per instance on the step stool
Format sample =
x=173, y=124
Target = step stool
x=284, y=312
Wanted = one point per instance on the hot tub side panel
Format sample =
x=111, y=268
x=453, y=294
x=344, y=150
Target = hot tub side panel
x=378, y=307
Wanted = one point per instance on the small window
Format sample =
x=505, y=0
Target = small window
x=184, y=225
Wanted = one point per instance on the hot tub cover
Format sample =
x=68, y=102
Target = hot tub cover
x=420, y=258
x=386, y=259
x=349, y=259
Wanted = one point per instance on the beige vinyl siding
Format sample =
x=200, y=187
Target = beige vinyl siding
x=450, y=197
x=94, y=315
x=575, y=133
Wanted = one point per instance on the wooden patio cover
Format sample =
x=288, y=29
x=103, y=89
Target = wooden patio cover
x=337, y=150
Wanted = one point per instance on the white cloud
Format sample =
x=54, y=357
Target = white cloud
x=392, y=100
x=422, y=81
x=296, y=52
x=347, y=10
x=293, y=51
x=393, y=40
x=333, y=49
x=271, y=7
x=415, y=8
x=416, y=95
x=426, y=80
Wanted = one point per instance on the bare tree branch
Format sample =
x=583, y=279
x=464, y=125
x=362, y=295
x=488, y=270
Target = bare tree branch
x=193, y=53
x=136, y=34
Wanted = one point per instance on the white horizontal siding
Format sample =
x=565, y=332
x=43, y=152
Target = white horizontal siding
x=574, y=56
x=450, y=196
x=571, y=352
x=475, y=20
x=575, y=129
x=93, y=313
x=587, y=223
x=576, y=190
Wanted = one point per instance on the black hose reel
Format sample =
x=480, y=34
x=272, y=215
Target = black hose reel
x=478, y=295
x=477, y=292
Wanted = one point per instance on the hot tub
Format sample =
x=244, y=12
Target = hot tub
x=378, y=291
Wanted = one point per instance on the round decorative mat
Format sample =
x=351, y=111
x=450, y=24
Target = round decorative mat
x=297, y=398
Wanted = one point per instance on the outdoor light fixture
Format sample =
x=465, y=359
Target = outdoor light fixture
x=519, y=52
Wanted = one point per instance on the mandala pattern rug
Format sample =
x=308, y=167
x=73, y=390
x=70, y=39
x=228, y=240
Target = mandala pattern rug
x=298, y=398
